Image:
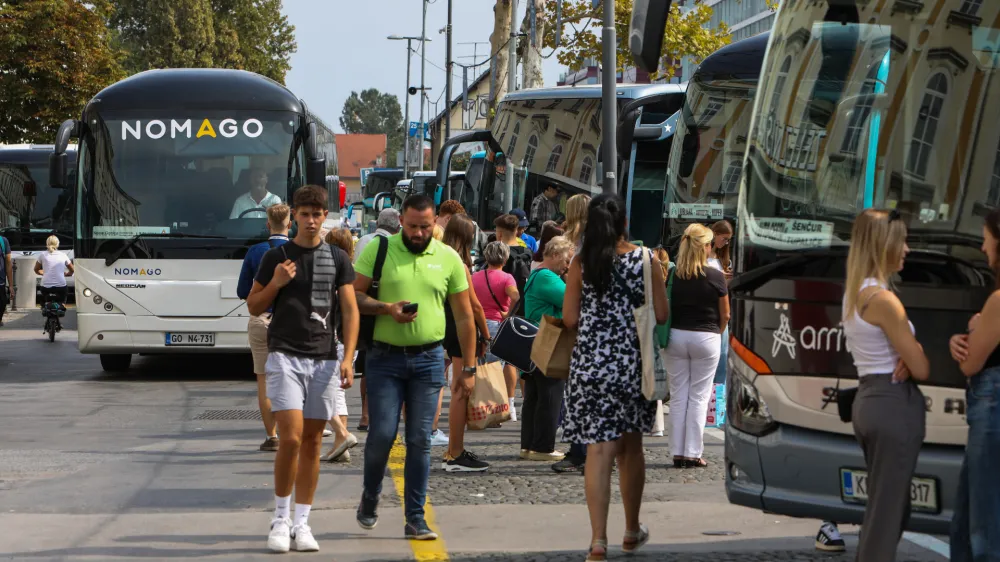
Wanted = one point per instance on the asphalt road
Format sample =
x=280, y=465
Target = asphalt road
x=162, y=463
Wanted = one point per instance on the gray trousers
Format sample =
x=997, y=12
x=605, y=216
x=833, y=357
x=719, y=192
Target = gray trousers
x=889, y=423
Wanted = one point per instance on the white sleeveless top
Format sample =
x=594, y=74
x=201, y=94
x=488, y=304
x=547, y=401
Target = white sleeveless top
x=870, y=347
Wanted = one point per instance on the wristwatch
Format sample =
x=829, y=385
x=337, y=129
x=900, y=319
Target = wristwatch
x=469, y=370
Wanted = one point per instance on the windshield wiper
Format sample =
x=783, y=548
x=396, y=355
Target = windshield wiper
x=756, y=277
x=121, y=251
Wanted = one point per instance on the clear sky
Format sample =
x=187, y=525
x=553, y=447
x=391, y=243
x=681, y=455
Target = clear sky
x=343, y=48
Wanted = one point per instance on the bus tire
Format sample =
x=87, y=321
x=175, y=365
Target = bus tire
x=115, y=362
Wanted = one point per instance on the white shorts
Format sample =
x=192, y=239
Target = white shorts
x=341, y=402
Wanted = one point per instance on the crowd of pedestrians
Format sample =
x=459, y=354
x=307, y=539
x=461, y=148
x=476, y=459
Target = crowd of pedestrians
x=443, y=291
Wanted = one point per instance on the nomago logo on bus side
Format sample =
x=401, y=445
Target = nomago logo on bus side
x=155, y=129
x=137, y=271
x=811, y=338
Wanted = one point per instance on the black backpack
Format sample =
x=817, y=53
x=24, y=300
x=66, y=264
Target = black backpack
x=519, y=266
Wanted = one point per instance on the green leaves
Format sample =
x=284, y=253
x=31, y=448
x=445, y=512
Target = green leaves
x=686, y=35
x=371, y=113
x=54, y=56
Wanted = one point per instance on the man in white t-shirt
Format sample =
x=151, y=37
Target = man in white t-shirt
x=257, y=198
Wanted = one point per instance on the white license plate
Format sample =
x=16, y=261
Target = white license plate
x=923, y=491
x=190, y=339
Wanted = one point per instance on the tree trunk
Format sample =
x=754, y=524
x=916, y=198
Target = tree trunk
x=531, y=57
x=498, y=48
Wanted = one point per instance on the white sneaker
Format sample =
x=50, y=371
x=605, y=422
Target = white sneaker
x=279, y=539
x=304, y=540
x=439, y=438
x=327, y=432
x=513, y=412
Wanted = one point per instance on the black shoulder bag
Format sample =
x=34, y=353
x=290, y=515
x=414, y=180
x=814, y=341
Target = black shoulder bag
x=366, y=334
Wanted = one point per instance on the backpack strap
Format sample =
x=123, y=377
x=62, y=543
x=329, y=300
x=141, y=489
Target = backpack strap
x=383, y=250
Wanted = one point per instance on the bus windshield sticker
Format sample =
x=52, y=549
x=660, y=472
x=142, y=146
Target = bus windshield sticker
x=790, y=234
x=128, y=231
x=710, y=211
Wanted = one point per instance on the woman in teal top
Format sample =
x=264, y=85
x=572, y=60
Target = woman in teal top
x=543, y=294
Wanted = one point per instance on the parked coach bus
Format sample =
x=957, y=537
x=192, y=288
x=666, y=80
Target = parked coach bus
x=553, y=136
x=859, y=106
x=163, y=219
x=30, y=212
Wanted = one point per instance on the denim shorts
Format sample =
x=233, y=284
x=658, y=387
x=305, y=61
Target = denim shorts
x=493, y=325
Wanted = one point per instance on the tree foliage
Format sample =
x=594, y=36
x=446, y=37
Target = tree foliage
x=687, y=34
x=54, y=56
x=371, y=113
x=242, y=34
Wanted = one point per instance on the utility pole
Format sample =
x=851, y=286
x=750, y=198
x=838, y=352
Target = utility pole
x=406, y=119
x=447, y=85
x=508, y=191
x=609, y=107
x=423, y=92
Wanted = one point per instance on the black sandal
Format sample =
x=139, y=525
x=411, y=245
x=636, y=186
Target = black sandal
x=696, y=463
x=680, y=462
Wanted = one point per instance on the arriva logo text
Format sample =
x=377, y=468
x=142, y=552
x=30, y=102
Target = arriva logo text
x=137, y=271
x=811, y=338
x=155, y=129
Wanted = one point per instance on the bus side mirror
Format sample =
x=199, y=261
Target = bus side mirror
x=689, y=154
x=645, y=33
x=58, y=173
x=316, y=171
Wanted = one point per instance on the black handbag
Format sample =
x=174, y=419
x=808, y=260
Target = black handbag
x=513, y=342
x=366, y=332
x=845, y=403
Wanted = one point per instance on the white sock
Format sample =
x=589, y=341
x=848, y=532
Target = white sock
x=302, y=513
x=513, y=410
x=281, y=505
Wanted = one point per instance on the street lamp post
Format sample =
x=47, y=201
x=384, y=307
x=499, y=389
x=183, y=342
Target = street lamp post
x=406, y=117
x=609, y=106
x=423, y=68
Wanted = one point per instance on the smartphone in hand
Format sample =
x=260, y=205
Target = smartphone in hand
x=410, y=308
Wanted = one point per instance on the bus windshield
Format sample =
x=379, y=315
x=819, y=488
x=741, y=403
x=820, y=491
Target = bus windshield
x=547, y=141
x=711, y=138
x=30, y=208
x=854, y=115
x=184, y=175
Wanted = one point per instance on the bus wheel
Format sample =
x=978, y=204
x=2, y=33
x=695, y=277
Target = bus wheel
x=115, y=363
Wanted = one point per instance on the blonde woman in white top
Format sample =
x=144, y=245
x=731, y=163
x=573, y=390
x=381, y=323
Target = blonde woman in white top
x=54, y=267
x=576, y=219
x=889, y=410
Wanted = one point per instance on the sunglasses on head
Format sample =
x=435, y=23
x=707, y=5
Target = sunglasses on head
x=894, y=215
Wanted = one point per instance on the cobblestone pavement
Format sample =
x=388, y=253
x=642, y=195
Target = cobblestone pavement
x=511, y=480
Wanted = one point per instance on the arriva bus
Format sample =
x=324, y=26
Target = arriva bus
x=553, y=136
x=861, y=104
x=163, y=212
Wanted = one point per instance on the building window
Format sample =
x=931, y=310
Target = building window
x=713, y=108
x=927, y=123
x=993, y=197
x=971, y=7
x=861, y=113
x=731, y=181
x=586, y=169
x=513, y=139
x=772, y=123
x=554, y=158
x=529, y=153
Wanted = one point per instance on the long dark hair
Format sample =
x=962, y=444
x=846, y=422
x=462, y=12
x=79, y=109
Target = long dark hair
x=459, y=234
x=722, y=228
x=605, y=227
x=992, y=223
x=549, y=231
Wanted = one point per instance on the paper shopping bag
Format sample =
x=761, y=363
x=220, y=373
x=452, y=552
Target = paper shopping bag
x=553, y=348
x=488, y=403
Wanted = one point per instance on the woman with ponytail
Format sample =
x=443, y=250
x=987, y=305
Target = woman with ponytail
x=719, y=259
x=605, y=408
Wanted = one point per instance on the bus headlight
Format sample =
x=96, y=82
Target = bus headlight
x=745, y=409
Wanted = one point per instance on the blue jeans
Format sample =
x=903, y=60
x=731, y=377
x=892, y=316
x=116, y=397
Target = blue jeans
x=395, y=379
x=975, y=527
x=720, y=371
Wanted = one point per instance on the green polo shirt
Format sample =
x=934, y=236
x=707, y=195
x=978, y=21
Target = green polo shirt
x=427, y=279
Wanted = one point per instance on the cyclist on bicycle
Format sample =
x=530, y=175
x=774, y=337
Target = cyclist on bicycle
x=54, y=267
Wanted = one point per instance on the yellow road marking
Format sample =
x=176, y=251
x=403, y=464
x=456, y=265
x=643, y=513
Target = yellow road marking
x=422, y=550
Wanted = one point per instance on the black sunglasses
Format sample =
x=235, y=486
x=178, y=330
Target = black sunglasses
x=894, y=215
